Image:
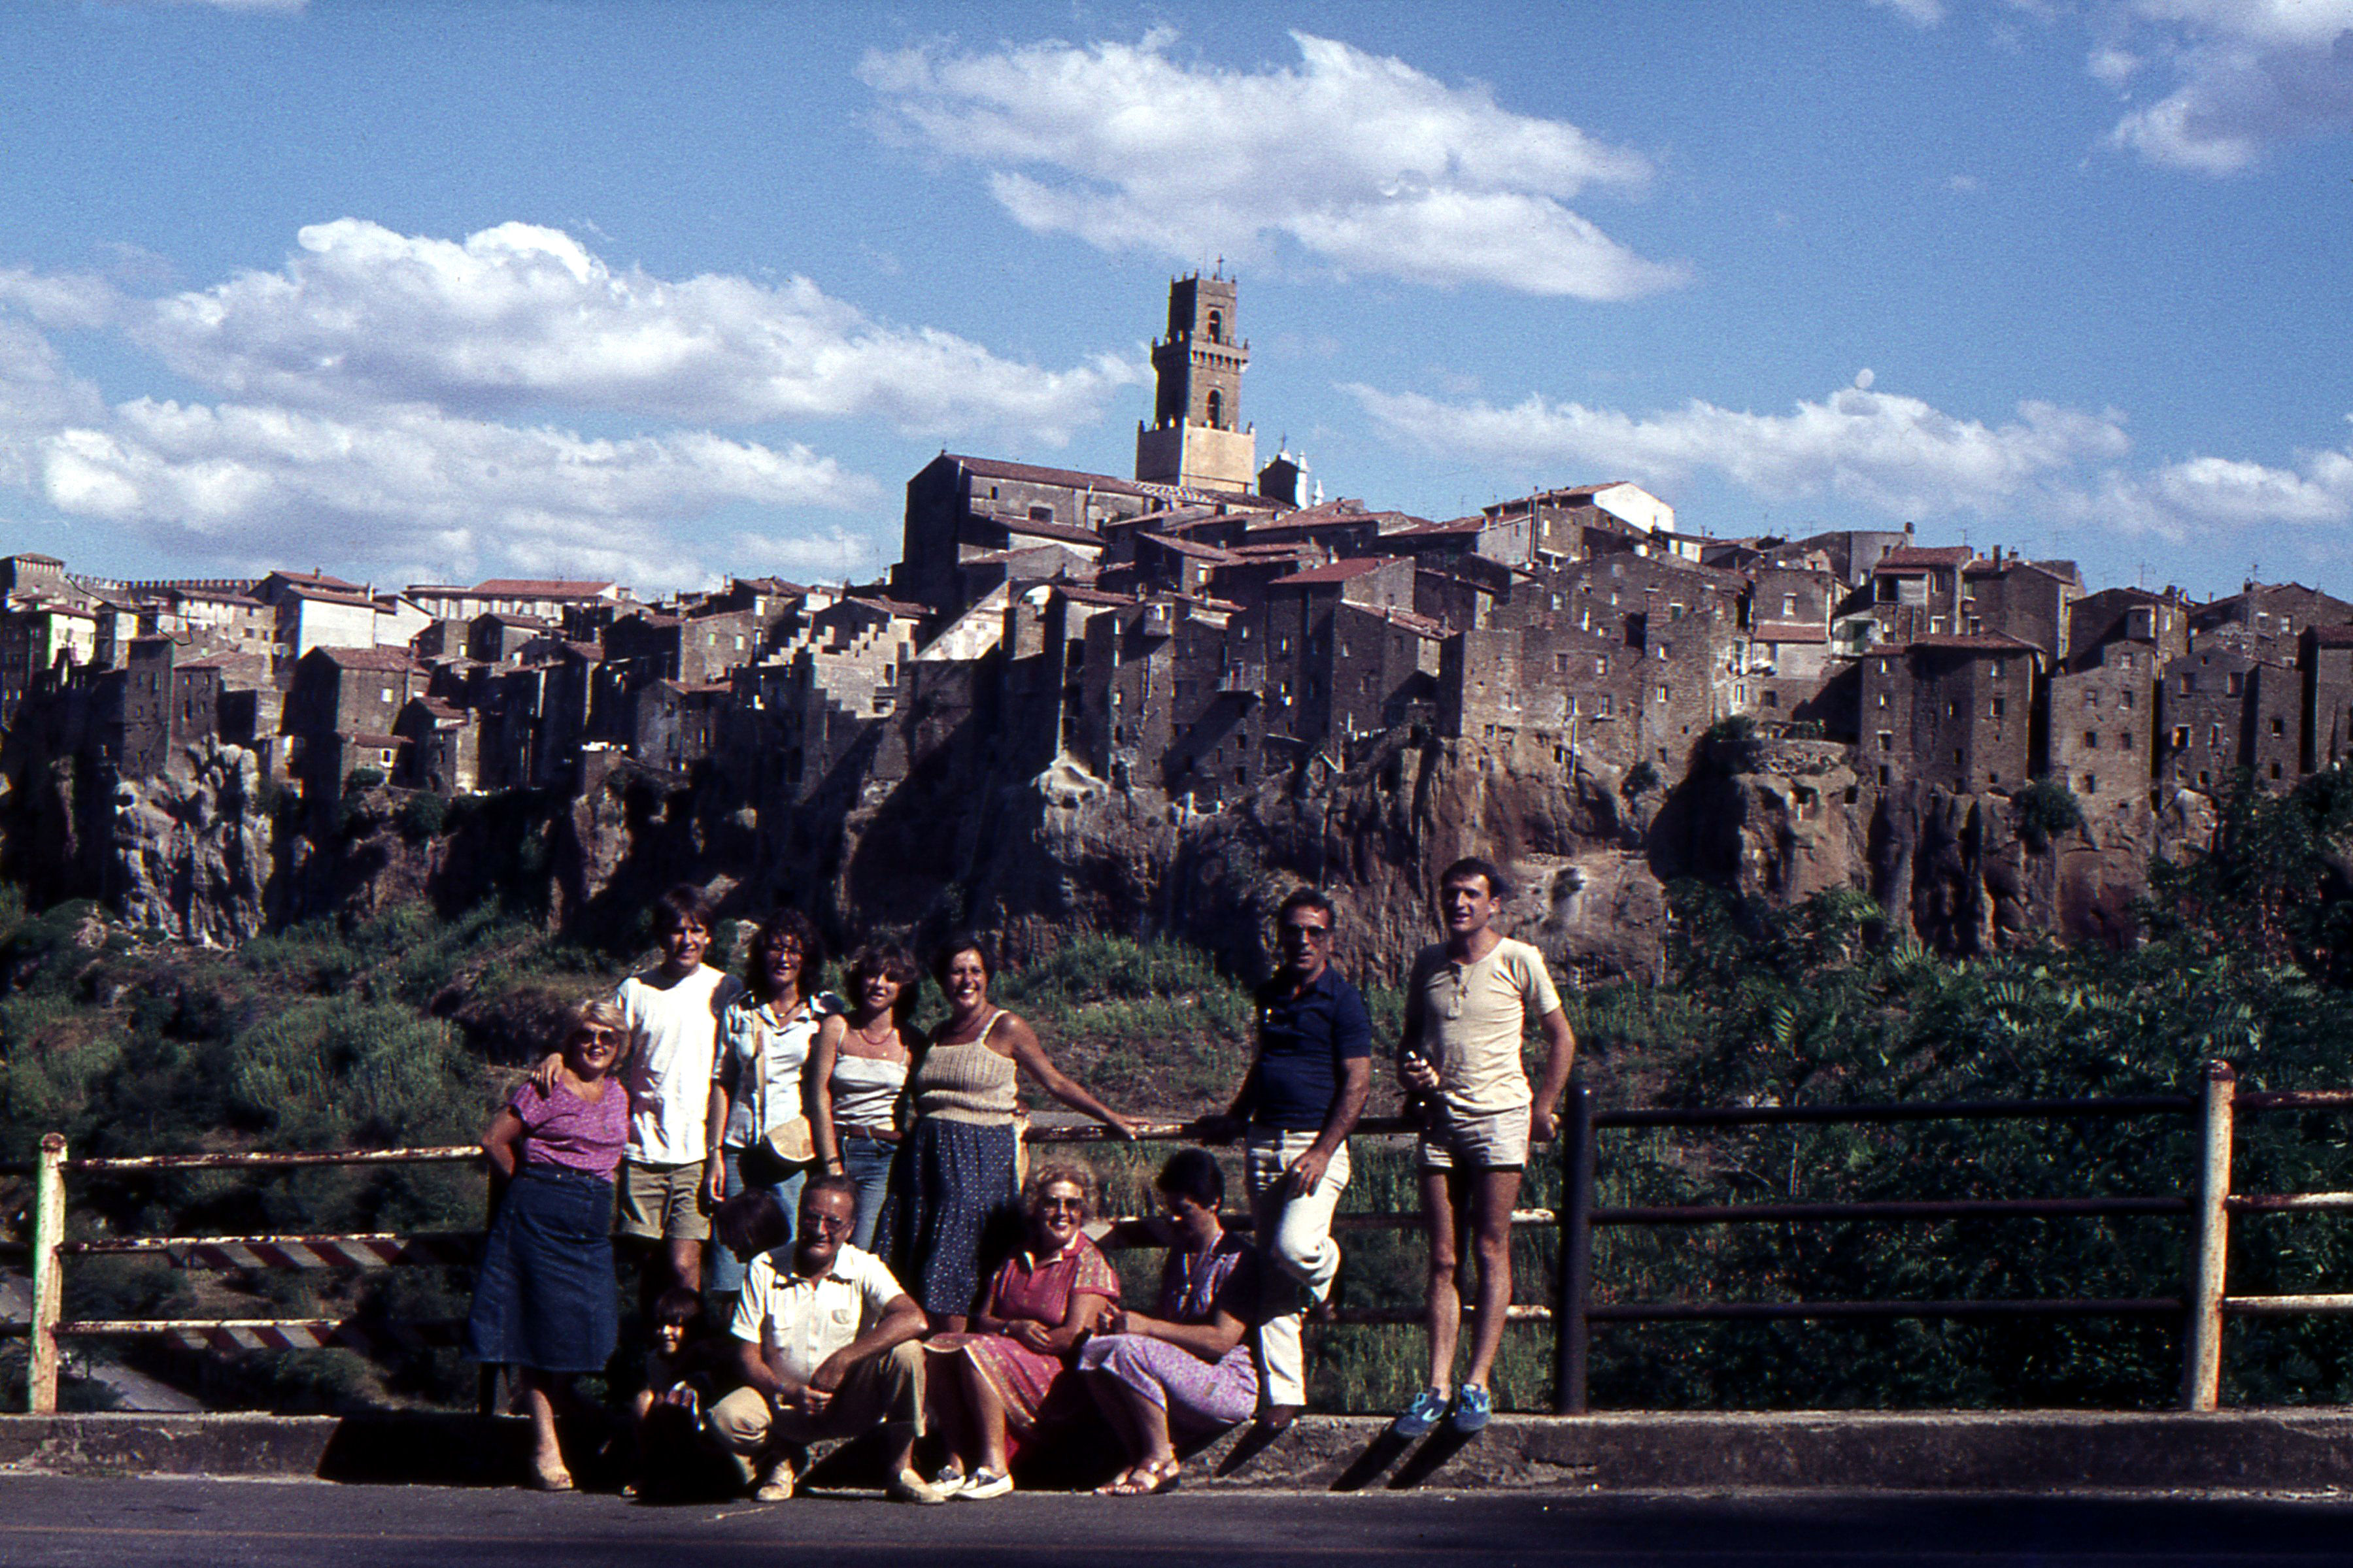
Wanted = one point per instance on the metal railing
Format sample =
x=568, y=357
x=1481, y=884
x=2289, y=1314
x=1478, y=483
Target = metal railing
x=1573, y=1311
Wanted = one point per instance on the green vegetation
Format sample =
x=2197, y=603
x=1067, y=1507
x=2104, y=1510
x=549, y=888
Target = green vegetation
x=2046, y=808
x=403, y=1029
x=365, y=778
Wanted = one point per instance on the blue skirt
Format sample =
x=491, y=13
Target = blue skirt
x=545, y=1296
x=952, y=1211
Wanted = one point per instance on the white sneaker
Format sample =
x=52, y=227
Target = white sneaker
x=982, y=1484
x=777, y=1486
x=949, y=1482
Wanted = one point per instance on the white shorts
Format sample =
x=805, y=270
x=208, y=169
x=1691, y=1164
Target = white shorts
x=1497, y=1141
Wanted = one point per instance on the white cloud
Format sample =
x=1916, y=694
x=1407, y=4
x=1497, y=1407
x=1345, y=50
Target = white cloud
x=519, y=318
x=1893, y=454
x=1359, y=159
x=265, y=485
x=1919, y=13
x=2251, y=74
x=2201, y=495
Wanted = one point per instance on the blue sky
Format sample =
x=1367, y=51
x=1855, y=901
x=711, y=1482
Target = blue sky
x=671, y=291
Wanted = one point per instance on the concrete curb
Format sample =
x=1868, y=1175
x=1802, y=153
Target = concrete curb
x=2048, y=1452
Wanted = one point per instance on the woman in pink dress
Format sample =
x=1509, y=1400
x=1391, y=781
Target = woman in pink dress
x=988, y=1387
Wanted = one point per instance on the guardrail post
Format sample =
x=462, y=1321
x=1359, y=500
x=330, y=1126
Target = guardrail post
x=1575, y=1249
x=49, y=1280
x=2201, y=1343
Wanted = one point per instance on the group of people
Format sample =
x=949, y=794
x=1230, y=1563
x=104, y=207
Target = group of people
x=840, y=1189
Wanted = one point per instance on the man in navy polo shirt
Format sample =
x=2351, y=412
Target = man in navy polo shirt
x=1294, y=1112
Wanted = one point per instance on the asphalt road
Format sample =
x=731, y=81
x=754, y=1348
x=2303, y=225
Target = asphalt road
x=131, y=1523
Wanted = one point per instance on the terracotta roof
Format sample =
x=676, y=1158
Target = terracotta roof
x=392, y=661
x=361, y=738
x=319, y=580
x=355, y=599
x=1296, y=549
x=1091, y=595
x=440, y=710
x=508, y=617
x=2330, y=637
x=1069, y=478
x=1419, y=624
x=1906, y=558
x=1061, y=531
x=1192, y=547
x=538, y=588
x=586, y=651
x=1337, y=572
x=896, y=607
x=1976, y=642
x=1453, y=525
x=1790, y=631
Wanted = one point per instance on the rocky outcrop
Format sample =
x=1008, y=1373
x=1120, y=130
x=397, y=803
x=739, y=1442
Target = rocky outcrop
x=890, y=844
x=191, y=849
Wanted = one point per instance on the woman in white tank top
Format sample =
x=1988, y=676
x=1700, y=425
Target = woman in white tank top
x=857, y=1074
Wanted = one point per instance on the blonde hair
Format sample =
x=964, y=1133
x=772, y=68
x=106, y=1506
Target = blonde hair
x=1077, y=1172
x=598, y=1014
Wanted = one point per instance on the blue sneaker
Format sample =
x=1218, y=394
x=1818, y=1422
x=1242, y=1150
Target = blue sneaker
x=1417, y=1419
x=1472, y=1405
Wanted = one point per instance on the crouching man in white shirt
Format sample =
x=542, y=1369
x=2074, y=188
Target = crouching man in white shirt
x=826, y=1343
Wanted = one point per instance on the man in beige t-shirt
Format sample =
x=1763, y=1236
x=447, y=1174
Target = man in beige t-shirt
x=1468, y=1005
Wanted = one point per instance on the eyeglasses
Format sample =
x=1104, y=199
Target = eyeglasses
x=593, y=1037
x=1059, y=1205
x=1311, y=933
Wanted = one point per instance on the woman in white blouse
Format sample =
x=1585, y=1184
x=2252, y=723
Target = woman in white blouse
x=757, y=1136
x=856, y=1072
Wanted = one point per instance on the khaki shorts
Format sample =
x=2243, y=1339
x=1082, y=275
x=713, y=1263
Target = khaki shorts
x=663, y=1203
x=1495, y=1142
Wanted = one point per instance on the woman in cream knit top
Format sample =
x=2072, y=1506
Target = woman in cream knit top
x=952, y=1185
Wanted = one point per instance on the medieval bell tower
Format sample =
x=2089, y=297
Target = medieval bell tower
x=1195, y=436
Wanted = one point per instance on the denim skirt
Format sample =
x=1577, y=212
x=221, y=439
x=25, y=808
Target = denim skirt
x=545, y=1296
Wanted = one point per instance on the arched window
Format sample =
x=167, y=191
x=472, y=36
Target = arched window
x=1216, y=411
x=1216, y=327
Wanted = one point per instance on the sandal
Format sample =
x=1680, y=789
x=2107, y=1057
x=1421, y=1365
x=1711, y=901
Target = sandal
x=1152, y=1478
x=1118, y=1485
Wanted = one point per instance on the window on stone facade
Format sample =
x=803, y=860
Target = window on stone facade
x=1772, y=698
x=1882, y=695
x=1666, y=694
x=1886, y=740
x=1788, y=607
x=2279, y=727
x=1607, y=704
x=2276, y=772
x=1998, y=703
x=2214, y=736
x=2091, y=740
x=2124, y=700
x=2123, y=742
x=2204, y=779
x=2091, y=783
x=1041, y=514
x=1936, y=625
x=2234, y=685
x=1600, y=667
x=2180, y=737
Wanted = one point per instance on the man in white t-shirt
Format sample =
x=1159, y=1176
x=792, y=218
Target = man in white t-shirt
x=674, y=1012
x=826, y=1344
x=1468, y=1005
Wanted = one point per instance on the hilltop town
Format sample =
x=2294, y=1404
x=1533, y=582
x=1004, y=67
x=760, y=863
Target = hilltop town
x=1199, y=633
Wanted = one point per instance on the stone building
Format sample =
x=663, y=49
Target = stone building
x=2222, y=711
x=2325, y=654
x=1952, y=710
x=2029, y=600
x=1196, y=438
x=1916, y=592
x=2103, y=724
x=500, y=636
x=441, y=747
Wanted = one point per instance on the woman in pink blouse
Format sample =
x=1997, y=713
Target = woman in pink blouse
x=989, y=1386
x=544, y=1296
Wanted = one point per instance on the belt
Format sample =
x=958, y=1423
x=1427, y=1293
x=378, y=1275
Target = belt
x=875, y=1134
